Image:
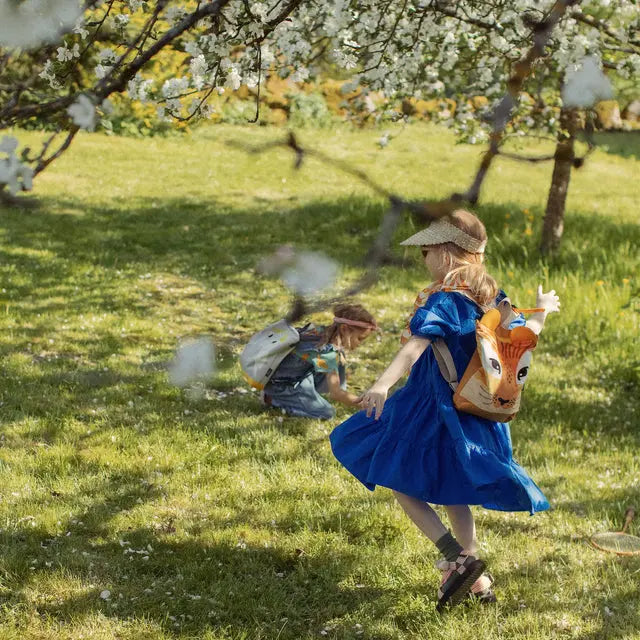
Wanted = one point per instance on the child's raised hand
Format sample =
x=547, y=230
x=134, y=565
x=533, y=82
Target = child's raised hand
x=549, y=301
x=373, y=400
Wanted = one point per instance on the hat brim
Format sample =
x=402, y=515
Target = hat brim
x=424, y=237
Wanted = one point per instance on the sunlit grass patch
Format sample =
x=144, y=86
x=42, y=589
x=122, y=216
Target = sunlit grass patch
x=208, y=516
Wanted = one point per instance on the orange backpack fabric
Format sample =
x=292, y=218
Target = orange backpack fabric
x=492, y=383
x=491, y=386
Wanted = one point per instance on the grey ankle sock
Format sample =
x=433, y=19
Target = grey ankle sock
x=449, y=547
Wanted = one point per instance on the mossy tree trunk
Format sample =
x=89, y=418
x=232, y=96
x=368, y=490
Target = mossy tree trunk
x=563, y=163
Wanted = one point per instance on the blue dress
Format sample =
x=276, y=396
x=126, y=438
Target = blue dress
x=425, y=448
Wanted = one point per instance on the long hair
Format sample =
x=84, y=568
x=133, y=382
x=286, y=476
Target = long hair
x=350, y=312
x=466, y=267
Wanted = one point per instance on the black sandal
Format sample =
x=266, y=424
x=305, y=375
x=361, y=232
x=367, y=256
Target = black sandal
x=458, y=578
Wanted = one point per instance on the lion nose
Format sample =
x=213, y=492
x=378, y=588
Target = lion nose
x=502, y=401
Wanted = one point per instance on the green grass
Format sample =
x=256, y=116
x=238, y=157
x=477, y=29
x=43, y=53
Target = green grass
x=211, y=518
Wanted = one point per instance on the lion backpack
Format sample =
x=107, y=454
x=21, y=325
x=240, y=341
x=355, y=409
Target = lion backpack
x=266, y=350
x=492, y=383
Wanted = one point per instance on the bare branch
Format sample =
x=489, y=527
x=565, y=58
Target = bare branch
x=44, y=163
x=522, y=158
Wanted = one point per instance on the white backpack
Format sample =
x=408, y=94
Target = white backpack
x=266, y=350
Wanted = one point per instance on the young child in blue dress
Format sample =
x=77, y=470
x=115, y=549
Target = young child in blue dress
x=317, y=365
x=416, y=442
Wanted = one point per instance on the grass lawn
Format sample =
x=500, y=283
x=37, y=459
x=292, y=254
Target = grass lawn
x=208, y=517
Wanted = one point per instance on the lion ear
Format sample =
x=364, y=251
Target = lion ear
x=524, y=334
x=491, y=319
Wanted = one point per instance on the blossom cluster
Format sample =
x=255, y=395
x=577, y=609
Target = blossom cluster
x=420, y=49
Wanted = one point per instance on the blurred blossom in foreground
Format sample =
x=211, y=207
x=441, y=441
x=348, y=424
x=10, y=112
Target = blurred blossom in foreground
x=83, y=113
x=31, y=23
x=586, y=85
x=304, y=272
x=193, y=363
x=15, y=175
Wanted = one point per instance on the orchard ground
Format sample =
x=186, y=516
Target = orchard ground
x=131, y=509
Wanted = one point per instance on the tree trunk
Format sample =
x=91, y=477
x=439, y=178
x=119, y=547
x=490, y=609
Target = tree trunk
x=564, y=156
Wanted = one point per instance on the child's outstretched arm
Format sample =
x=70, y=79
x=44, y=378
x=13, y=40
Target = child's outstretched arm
x=547, y=301
x=373, y=400
x=337, y=393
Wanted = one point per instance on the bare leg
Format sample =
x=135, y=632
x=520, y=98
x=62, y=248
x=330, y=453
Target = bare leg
x=424, y=517
x=464, y=528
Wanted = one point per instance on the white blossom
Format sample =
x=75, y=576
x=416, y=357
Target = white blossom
x=8, y=144
x=83, y=113
x=121, y=20
x=198, y=68
x=65, y=54
x=101, y=70
x=309, y=273
x=586, y=85
x=175, y=87
x=233, y=78
x=194, y=362
x=14, y=174
x=107, y=56
x=80, y=29
x=31, y=23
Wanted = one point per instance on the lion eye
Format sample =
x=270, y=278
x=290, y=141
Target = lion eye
x=490, y=359
x=523, y=368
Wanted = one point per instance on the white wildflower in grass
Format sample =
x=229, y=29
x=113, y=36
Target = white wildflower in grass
x=586, y=84
x=310, y=273
x=384, y=140
x=193, y=363
x=106, y=594
x=83, y=113
x=31, y=23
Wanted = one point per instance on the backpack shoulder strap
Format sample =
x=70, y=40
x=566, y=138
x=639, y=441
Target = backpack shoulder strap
x=445, y=362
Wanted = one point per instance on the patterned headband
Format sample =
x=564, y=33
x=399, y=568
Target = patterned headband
x=441, y=231
x=356, y=323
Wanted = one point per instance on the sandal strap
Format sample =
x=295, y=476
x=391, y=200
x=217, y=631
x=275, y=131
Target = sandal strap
x=457, y=565
x=445, y=565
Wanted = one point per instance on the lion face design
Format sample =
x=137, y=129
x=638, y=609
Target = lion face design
x=493, y=381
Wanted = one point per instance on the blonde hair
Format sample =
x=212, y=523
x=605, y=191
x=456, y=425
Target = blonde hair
x=349, y=312
x=466, y=267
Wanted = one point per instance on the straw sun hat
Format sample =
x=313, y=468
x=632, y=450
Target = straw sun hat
x=441, y=231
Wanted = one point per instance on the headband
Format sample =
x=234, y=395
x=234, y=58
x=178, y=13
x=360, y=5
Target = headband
x=441, y=231
x=356, y=323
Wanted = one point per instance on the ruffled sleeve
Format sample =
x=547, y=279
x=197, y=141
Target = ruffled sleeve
x=437, y=318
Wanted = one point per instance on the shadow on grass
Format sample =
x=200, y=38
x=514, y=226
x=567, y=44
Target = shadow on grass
x=184, y=586
x=67, y=259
